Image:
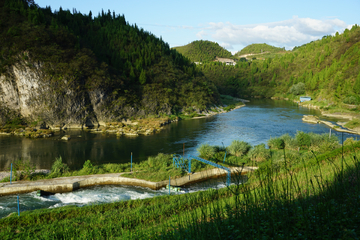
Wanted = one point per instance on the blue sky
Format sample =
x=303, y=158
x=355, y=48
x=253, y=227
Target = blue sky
x=232, y=24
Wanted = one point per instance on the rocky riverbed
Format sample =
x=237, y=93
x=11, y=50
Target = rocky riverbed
x=146, y=126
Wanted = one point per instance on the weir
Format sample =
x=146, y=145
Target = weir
x=185, y=164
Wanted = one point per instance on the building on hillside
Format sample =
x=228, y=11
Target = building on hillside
x=227, y=61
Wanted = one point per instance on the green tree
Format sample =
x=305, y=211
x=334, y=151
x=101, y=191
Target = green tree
x=142, y=77
x=357, y=84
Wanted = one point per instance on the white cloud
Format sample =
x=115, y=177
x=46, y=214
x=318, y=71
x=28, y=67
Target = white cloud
x=288, y=33
x=201, y=34
x=226, y=45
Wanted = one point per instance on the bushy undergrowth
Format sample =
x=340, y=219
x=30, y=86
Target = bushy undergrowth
x=206, y=151
x=314, y=202
x=157, y=168
x=22, y=170
x=276, y=143
x=308, y=141
x=353, y=123
x=259, y=153
x=350, y=141
x=297, y=89
x=300, y=146
x=58, y=168
x=352, y=100
x=239, y=148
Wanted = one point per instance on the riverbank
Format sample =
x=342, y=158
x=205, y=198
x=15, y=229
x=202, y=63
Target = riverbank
x=345, y=126
x=210, y=114
x=5, y=174
x=315, y=120
x=351, y=126
x=142, y=126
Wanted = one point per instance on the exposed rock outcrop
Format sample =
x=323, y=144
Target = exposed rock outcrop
x=28, y=91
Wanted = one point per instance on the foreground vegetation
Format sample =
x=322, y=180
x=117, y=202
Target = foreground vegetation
x=315, y=198
x=160, y=167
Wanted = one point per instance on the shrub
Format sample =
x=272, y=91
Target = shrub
x=239, y=148
x=219, y=149
x=219, y=156
x=116, y=167
x=259, y=153
x=353, y=123
x=292, y=157
x=87, y=165
x=276, y=143
x=290, y=142
x=297, y=89
x=161, y=161
x=88, y=168
x=303, y=139
x=23, y=169
x=352, y=100
x=322, y=142
x=206, y=151
x=350, y=141
x=58, y=168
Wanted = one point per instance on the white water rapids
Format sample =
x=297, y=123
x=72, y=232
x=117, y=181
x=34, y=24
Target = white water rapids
x=93, y=195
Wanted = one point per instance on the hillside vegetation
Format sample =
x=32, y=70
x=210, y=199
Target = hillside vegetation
x=258, y=48
x=128, y=70
x=328, y=69
x=203, y=51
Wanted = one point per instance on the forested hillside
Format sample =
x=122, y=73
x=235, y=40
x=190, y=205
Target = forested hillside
x=203, y=51
x=327, y=69
x=258, y=48
x=100, y=62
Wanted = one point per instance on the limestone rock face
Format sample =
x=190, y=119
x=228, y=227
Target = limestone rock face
x=28, y=91
x=54, y=101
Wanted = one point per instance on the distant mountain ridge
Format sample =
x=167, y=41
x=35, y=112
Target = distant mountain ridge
x=203, y=51
x=257, y=48
x=327, y=69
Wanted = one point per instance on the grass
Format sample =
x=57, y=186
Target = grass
x=353, y=123
x=316, y=198
x=156, y=168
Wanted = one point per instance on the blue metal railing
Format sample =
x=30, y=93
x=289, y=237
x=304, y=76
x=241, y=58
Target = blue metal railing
x=181, y=162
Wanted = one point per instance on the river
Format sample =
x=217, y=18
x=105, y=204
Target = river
x=255, y=123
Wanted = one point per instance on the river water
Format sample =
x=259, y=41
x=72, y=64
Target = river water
x=255, y=123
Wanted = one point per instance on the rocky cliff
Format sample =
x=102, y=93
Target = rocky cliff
x=27, y=91
x=64, y=69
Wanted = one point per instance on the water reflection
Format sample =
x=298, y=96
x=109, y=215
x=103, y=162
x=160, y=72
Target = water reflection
x=255, y=123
